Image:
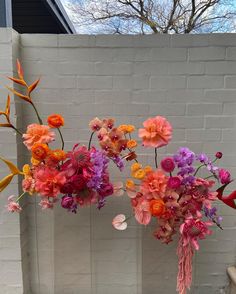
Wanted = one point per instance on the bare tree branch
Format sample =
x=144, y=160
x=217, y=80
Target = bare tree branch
x=152, y=16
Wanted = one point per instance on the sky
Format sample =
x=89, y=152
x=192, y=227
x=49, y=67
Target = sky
x=95, y=28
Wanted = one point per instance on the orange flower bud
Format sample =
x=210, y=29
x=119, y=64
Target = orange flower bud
x=131, y=144
x=157, y=207
x=55, y=121
x=40, y=151
x=130, y=184
x=135, y=166
x=139, y=174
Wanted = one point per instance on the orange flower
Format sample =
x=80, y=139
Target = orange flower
x=130, y=184
x=130, y=128
x=57, y=155
x=131, y=144
x=157, y=132
x=108, y=123
x=154, y=185
x=34, y=162
x=135, y=166
x=126, y=128
x=139, y=174
x=157, y=207
x=115, y=135
x=38, y=134
x=55, y=121
x=40, y=151
x=148, y=168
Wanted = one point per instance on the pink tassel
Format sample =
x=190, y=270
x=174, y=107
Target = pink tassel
x=185, y=255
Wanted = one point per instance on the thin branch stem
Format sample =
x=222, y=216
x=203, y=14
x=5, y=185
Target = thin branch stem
x=36, y=111
x=156, y=158
x=18, y=199
x=18, y=131
x=62, y=140
x=90, y=140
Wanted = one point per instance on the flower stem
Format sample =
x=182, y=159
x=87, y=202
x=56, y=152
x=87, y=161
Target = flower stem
x=90, y=140
x=18, y=199
x=200, y=166
x=18, y=131
x=36, y=111
x=156, y=158
x=62, y=140
x=128, y=218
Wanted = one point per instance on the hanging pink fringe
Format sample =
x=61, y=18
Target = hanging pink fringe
x=185, y=255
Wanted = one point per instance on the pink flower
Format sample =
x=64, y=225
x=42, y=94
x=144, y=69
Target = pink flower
x=45, y=203
x=95, y=124
x=157, y=132
x=194, y=229
x=28, y=185
x=118, y=188
x=86, y=197
x=168, y=164
x=154, y=184
x=141, y=208
x=78, y=159
x=48, y=181
x=38, y=134
x=119, y=222
x=13, y=206
x=224, y=176
x=174, y=182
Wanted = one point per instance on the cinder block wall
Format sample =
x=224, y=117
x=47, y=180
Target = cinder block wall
x=190, y=80
x=11, y=279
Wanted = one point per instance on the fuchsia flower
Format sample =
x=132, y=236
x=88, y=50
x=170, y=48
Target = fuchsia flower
x=13, y=206
x=225, y=177
x=174, y=182
x=48, y=181
x=168, y=164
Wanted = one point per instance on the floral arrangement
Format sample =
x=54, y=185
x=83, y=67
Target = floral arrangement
x=80, y=175
x=176, y=196
x=173, y=194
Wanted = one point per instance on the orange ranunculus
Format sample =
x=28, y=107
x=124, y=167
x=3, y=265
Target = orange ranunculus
x=157, y=132
x=40, y=151
x=132, y=144
x=55, y=121
x=57, y=155
x=157, y=207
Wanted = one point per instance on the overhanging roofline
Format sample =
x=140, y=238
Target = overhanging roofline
x=58, y=10
x=5, y=13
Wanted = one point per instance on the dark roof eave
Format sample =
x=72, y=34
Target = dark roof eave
x=58, y=10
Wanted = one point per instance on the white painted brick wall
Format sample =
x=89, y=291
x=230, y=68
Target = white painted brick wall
x=189, y=79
